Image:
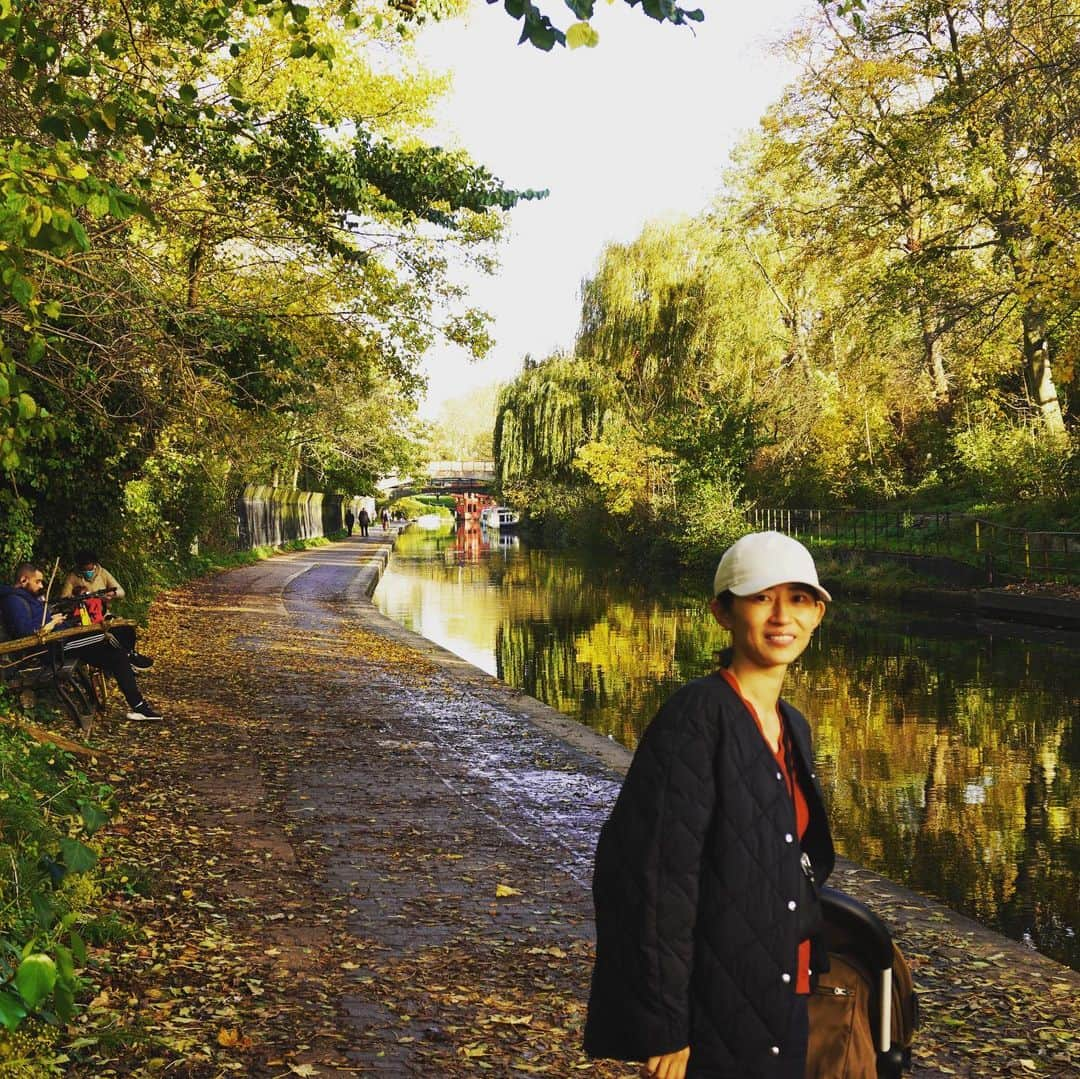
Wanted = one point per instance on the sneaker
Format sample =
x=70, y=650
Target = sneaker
x=144, y=710
x=139, y=661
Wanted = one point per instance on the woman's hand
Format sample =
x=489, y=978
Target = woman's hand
x=669, y=1066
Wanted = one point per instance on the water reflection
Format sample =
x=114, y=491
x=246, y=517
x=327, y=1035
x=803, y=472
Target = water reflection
x=949, y=756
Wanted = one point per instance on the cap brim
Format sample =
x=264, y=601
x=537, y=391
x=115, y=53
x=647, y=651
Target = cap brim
x=763, y=583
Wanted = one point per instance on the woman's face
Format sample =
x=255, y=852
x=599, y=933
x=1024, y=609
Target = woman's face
x=771, y=628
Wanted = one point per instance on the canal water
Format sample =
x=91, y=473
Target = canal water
x=950, y=752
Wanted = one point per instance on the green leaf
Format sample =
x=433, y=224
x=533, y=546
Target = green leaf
x=78, y=857
x=12, y=1010
x=55, y=126
x=582, y=34
x=35, y=347
x=21, y=290
x=187, y=93
x=147, y=129
x=64, y=1001
x=65, y=965
x=94, y=817
x=78, y=949
x=35, y=978
x=27, y=407
x=76, y=65
x=44, y=911
x=106, y=42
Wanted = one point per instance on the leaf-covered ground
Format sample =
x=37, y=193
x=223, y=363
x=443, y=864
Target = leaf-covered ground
x=330, y=874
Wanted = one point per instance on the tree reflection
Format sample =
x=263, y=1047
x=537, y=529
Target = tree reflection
x=949, y=757
x=942, y=755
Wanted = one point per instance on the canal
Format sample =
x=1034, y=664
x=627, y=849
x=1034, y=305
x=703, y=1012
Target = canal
x=950, y=755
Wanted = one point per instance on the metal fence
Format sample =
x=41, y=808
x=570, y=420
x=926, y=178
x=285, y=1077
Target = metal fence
x=999, y=550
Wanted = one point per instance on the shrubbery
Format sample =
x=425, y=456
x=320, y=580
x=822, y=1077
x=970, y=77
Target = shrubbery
x=50, y=880
x=1015, y=463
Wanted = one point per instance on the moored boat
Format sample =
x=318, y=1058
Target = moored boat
x=501, y=518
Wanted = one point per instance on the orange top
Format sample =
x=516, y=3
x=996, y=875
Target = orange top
x=802, y=816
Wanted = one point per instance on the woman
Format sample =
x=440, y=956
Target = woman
x=706, y=870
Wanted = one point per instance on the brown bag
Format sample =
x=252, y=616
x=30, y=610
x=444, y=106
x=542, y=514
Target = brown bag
x=841, y=1040
x=843, y=1011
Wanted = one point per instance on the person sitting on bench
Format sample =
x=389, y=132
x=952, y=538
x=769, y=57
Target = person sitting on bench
x=22, y=610
x=90, y=577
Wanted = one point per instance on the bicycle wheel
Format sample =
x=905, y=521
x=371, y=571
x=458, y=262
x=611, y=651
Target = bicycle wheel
x=92, y=682
x=70, y=702
x=83, y=690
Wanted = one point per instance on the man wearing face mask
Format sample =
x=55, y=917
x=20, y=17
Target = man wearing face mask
x=88, y=577
x=22, y=610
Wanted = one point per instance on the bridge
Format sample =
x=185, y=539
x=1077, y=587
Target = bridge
x=439, y=477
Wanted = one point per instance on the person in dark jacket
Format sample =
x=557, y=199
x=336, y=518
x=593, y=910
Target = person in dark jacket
x=706, y=871
x=364, y=520
x=22, y=611
x=350, y=520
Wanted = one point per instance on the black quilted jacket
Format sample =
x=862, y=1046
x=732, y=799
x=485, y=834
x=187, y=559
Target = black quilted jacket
x=696, y=871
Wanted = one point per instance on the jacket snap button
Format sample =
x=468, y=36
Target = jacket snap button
x=775, y=1050
x=780, y=776
x=785, y=978
x=789, y=838
x=791, y=904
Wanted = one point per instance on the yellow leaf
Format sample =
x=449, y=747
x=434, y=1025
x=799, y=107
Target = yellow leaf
x=582, y=34
x=504, y=890
x=228, y=1038
x=304, y=1069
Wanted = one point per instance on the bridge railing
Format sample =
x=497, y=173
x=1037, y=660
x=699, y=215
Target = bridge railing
x=462, y=469
x=999, y=550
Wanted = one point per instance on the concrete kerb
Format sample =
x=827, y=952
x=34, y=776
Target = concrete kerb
x=553, y=723
x=906, y=910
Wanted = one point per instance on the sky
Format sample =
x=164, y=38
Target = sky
x=639, y=128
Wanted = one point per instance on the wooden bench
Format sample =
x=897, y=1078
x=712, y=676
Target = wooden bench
x=40, y=662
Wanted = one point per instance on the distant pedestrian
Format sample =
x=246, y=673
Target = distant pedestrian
x=364, y=520
x=350, y=519
x=385, y=519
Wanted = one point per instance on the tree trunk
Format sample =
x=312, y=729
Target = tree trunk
x=1038, y=374
x=195, y=262
x=935, y=365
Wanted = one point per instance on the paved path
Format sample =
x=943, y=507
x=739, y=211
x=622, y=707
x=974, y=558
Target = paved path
x=412, y=841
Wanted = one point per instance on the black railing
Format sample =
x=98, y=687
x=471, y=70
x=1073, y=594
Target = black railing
x=999, y=550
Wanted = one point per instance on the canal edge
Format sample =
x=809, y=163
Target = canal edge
x=905, y=911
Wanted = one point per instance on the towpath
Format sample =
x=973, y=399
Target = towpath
x=353, y=853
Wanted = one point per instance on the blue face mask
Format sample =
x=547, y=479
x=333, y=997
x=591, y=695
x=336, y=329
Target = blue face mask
x=88, y=573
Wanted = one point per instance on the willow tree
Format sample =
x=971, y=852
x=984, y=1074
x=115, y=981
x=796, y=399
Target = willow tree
x=545, y=415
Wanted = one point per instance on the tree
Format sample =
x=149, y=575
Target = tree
x=540, y=31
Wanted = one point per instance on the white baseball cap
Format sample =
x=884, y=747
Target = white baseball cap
x=763, y=560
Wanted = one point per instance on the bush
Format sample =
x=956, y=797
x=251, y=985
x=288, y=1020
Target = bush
x=49, y=886
x=18, y=532
x=416, y=507
x=1019, y=462
x=711, y=519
